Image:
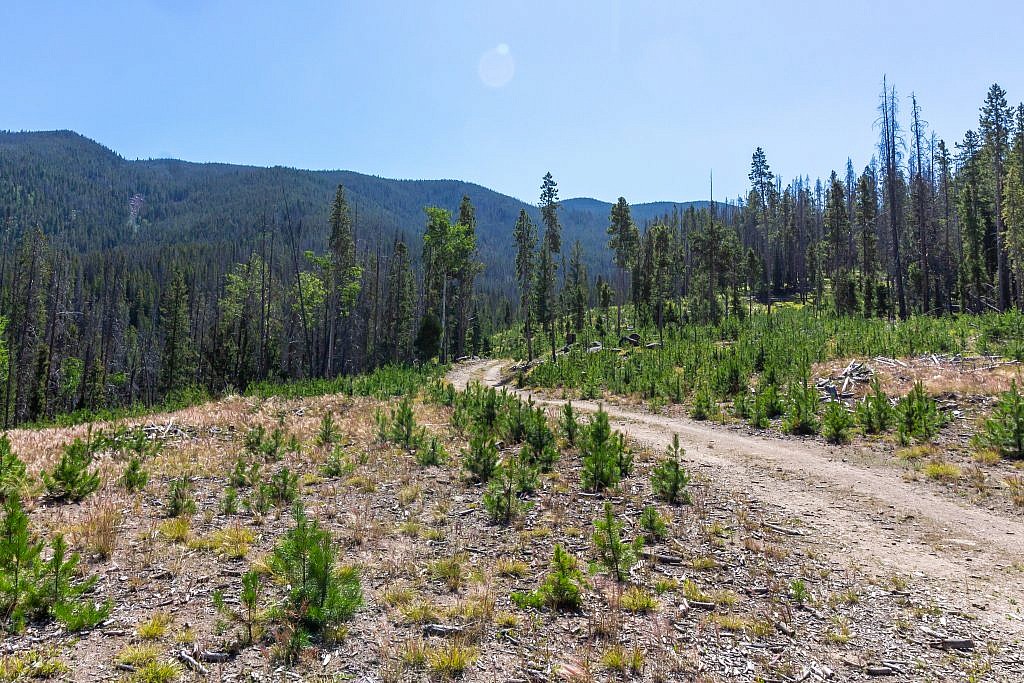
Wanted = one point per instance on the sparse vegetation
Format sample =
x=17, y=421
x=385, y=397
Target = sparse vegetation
x=615, y=555
x=180, y=501
x=1004, y=430
x=34, y=587
x=320, y=596
x=72, y=478
x=836, y=423
x=562, y=588
x=917, y=418
x=606, y=458
x=669, y=479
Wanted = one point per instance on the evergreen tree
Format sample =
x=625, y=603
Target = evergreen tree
x=525, y=235
x=996, y=122
x=465, y=276
x=624, y=241
x=578, y=288
x=867, y=216
x=346, y=275
x=398, y=310
x=1013, y=201
x=177, y=362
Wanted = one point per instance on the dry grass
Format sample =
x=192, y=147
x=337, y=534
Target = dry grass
x=940, y=470
x=937, y=380
x=231, y=542
x=427, y=557
x=97, y=532
x=155, y=627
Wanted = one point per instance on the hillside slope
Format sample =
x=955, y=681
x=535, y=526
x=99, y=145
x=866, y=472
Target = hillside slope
x=82, y=191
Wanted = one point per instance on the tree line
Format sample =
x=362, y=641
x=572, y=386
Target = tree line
x=84, y=332
x=921, y=229
x=924, y=228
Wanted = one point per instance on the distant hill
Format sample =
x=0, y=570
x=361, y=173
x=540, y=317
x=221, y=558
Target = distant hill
x=83, y=192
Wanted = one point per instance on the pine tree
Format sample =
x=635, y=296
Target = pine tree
x=549, y=214
x=545, y=297
x=867, y=216
x=578, y=287
x=624, y=241
x=764, y=196
x=465, y=276
x=617, y=556
x=177, y=362
x=346, y=277
x=996, y=123
x=970, y=205
x=399, y=306
x=1013, y=203
x=525, y=235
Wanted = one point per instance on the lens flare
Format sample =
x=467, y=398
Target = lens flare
x=497, y=67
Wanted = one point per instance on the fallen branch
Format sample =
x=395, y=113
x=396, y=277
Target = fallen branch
x=189, y=661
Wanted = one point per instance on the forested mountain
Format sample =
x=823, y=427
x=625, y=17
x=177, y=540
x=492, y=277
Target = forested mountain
x=129, y=281
x=90, y=198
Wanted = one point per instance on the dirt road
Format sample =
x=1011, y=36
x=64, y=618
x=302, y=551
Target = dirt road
x=967, y=557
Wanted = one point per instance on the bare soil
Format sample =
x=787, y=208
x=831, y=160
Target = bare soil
x=893, y=572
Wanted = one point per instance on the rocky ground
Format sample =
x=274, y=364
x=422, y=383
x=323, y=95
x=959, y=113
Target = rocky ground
x=789, y=565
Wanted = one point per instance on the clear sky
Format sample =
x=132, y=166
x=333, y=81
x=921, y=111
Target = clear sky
x=639, y=99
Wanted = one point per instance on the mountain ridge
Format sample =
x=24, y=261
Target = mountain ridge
x=82, y=191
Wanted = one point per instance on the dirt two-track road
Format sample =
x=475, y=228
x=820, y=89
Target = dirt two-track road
x=966, y=557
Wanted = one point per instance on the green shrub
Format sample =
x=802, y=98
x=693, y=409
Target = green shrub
x=605, y=456
x=562, y=588
x=31, y=587
x=431, y=452
x=703, y=406
x=653, y=523
x=258, y=501
x=254, y=439
x=758, y=418
x=338, y=464
x=742, y=405
x=514, y=424
x=249, y=599
x=270, y=447
x=71, y=478
x=801, y=410
x=836, y=423
x=769, y=402
x=12, y=471
x=328, y=433
x=229, y=501
x=481, y=458
x=135, y=476
x=501, y=499
x=541, y=449
x=283, y=487
x=569, y=424
x=319, y=595
x=245, y=473
x=669, y=478
x=917, y=417
x=399, y=426
x=1003, y=431
x=874, y=414
x=616, y=555
x=179, y=499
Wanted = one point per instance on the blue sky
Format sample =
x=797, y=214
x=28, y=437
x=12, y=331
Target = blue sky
x=640, y=99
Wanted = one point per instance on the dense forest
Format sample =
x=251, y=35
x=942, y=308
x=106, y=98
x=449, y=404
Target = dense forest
x=126, y=283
